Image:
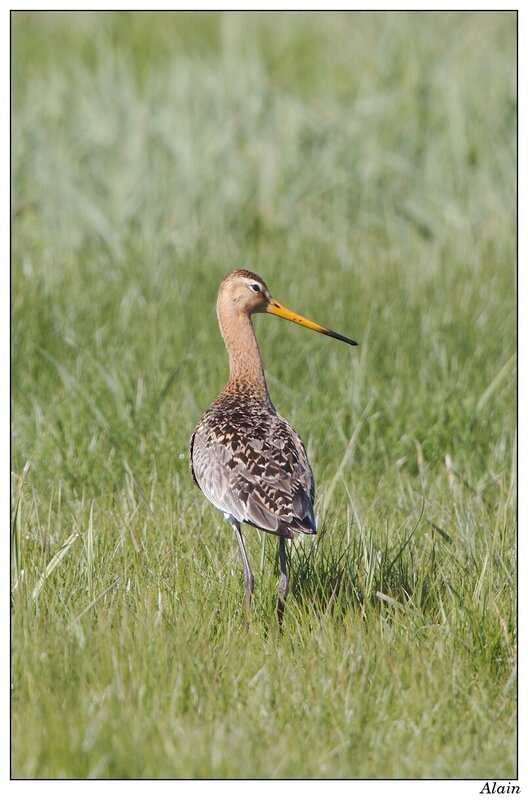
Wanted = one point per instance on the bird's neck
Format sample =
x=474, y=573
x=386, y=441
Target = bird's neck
x=246, y=375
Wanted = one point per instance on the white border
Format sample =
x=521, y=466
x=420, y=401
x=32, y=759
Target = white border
x=261, y=789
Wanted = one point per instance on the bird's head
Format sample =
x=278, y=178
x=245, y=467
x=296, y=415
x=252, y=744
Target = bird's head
x=245, y=293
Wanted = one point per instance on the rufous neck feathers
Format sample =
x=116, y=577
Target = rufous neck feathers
x=246, y=374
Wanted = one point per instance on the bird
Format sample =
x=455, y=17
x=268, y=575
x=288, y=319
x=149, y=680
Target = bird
x=247, y=460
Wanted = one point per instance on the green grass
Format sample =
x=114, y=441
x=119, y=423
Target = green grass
x=364, y=164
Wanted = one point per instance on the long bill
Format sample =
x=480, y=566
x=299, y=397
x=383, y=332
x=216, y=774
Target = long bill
x=279, y=311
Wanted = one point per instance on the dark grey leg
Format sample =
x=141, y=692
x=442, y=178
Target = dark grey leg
x=282, y=586
x=248, y=575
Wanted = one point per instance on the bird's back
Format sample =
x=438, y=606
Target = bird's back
x=250, y=463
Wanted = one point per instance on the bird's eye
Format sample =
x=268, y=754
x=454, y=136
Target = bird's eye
x=254, y=287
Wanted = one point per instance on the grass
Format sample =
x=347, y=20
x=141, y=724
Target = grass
x=364, y=164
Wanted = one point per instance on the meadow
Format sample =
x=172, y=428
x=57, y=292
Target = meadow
x=365, y=165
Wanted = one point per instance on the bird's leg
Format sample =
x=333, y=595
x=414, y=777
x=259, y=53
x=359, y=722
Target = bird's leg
x=248, y=575
x=282, y=585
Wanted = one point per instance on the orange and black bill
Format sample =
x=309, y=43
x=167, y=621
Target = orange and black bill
x=279, y=311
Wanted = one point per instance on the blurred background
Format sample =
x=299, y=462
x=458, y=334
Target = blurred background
x=365, y=165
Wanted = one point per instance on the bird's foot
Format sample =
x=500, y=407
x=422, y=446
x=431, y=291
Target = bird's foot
x=249, y=584
x=282, y=591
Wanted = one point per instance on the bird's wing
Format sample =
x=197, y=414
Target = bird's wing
x=253, y=465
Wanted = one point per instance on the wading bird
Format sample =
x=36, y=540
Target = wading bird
x=247, y=460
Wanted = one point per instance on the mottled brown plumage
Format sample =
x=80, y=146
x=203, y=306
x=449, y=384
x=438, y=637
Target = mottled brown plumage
x=247, y=460
x=252, y=465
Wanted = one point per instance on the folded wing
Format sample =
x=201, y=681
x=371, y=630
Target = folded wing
x=251, y=464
